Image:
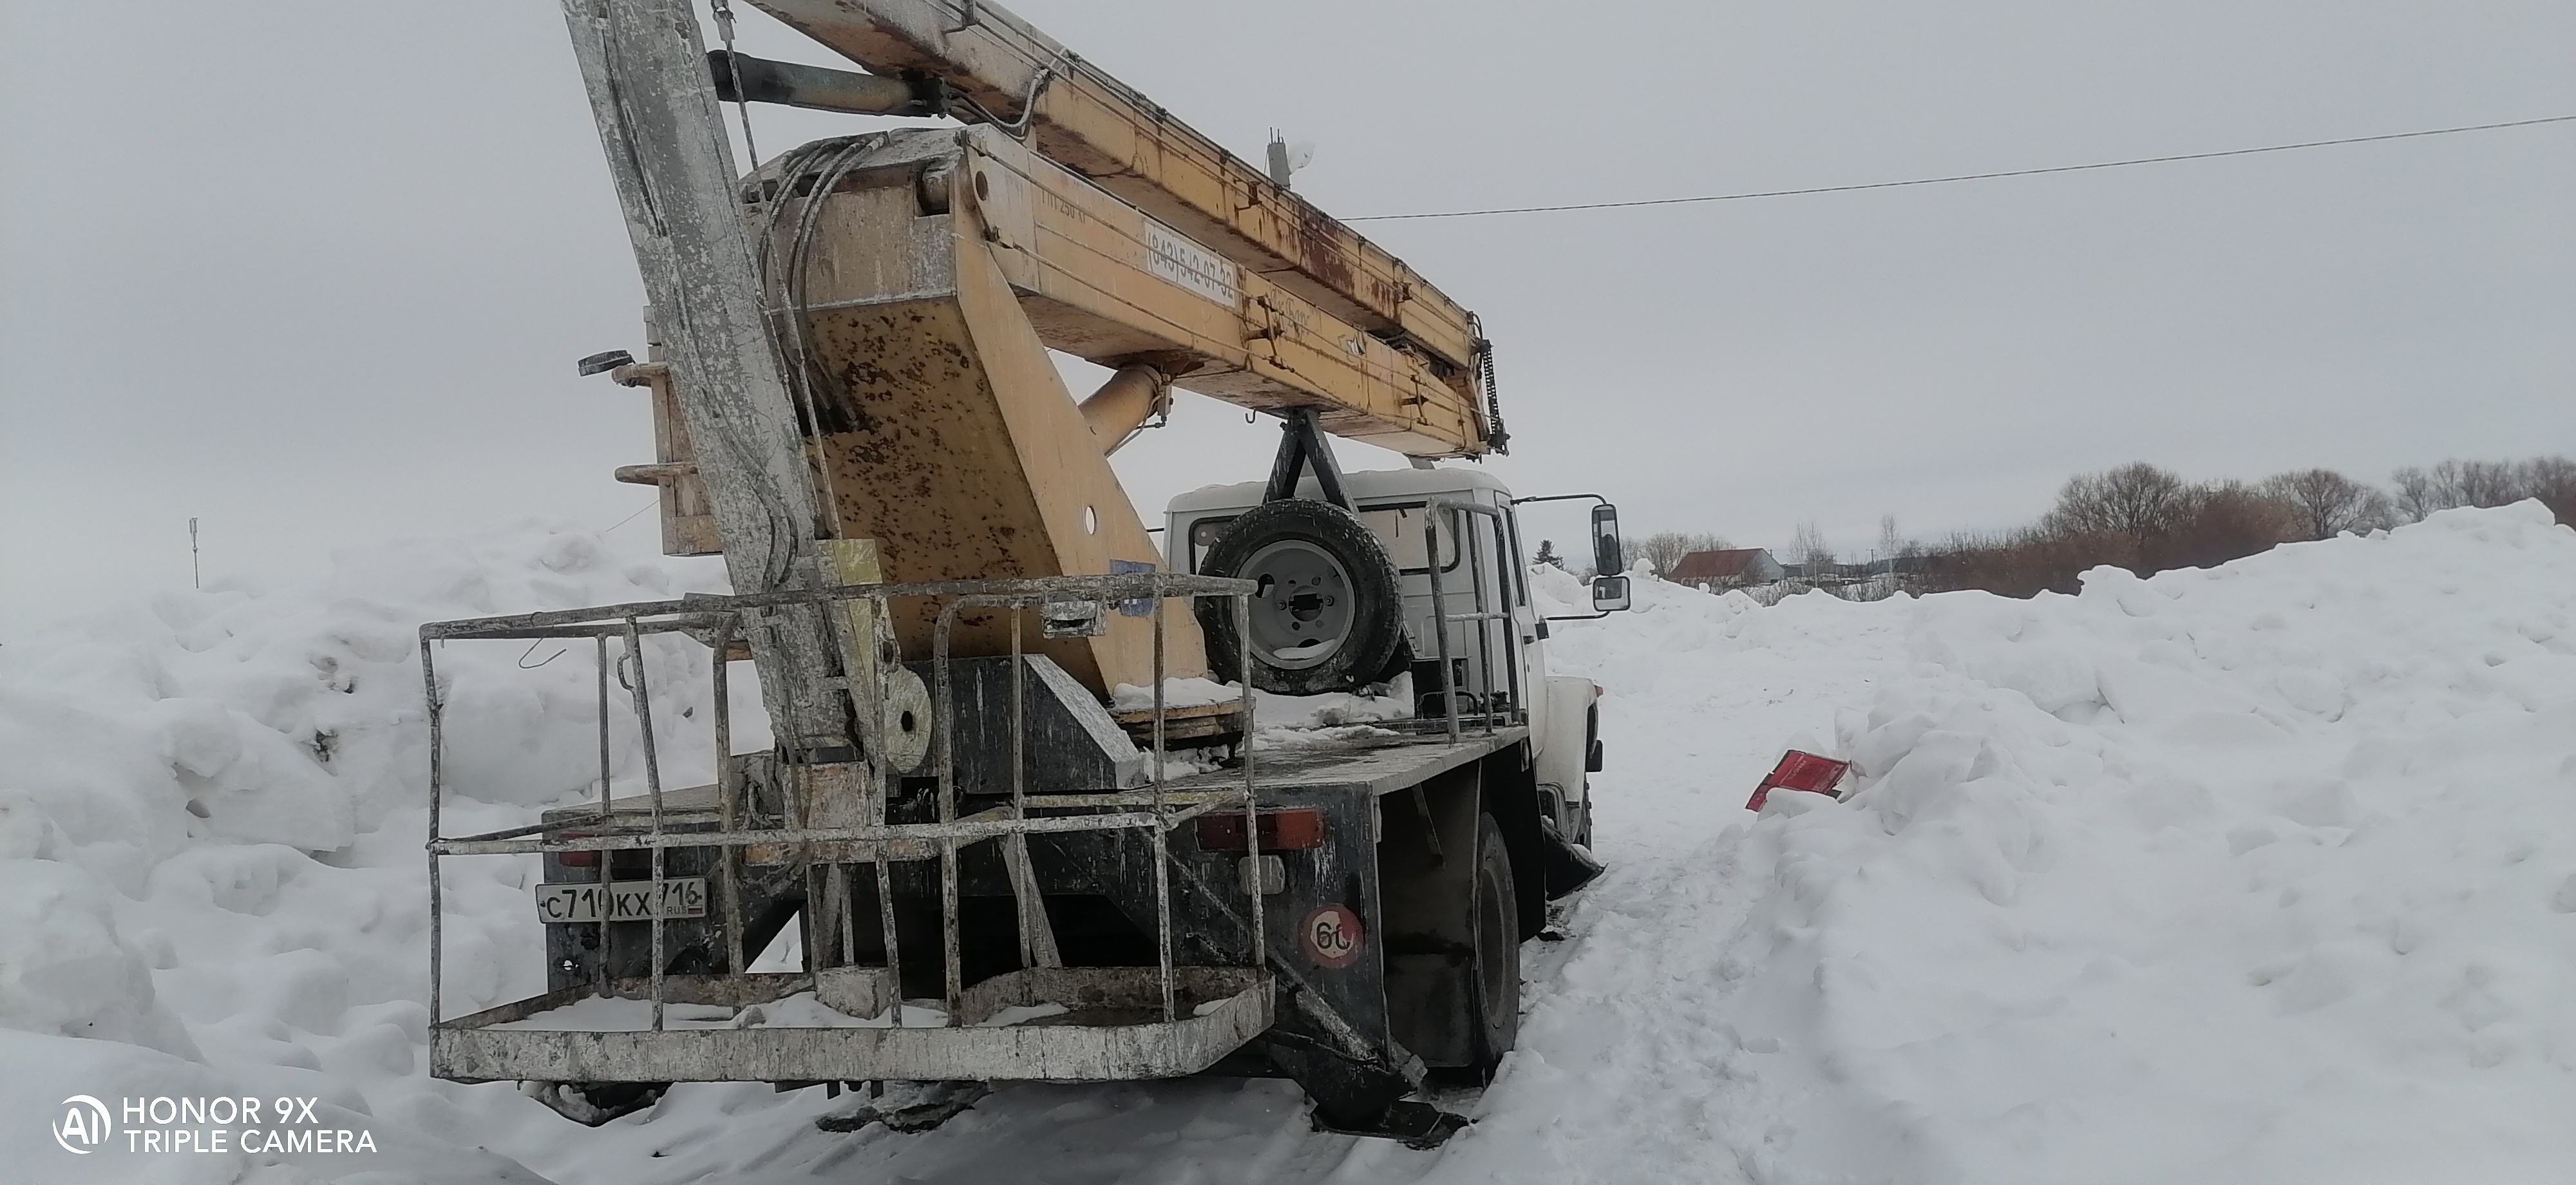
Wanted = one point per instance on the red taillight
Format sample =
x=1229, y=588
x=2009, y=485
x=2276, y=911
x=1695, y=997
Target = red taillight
x=1293, y=830
x=577, y=859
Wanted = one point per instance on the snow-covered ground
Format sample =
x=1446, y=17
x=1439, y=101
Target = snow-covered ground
x=2265, y=873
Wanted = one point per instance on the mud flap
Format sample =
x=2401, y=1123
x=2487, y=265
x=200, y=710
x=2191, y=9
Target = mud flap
x=1352, y=1086
x=1566, y=864
x=1417, y=1124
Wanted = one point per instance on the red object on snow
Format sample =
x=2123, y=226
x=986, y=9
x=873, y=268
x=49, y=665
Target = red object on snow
x=1800, y=771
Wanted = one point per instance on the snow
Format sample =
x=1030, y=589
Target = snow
x=2249, y=874
x=211, y=811
x=1390, y=701
x=1177, y=693
x=1282, y=721
x=2261, y=873
x=597, y=1014
x=1022, y=1014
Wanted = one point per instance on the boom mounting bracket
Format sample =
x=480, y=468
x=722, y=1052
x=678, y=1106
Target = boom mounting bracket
x=1302, y=443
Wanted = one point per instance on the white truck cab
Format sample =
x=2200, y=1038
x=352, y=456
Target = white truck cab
x=1496, y=640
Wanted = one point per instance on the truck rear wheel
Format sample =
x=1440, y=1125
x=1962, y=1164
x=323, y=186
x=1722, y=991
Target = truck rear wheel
x=1329, y=614
x=1494, y=982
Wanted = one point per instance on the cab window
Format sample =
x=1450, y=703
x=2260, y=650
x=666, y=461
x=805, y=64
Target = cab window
x=1398, y=529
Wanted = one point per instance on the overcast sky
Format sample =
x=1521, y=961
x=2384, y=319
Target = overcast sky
x=316, y=273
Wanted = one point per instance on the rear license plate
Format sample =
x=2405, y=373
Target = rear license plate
x=623, y=901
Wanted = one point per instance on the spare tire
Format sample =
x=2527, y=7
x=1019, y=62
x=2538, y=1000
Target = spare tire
x=1329, y=615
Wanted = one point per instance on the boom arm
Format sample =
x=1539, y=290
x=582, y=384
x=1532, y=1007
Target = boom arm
x=1310, y=269
x=1105, y=281
x=913, y=280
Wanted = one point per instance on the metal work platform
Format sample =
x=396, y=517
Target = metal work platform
x=822, y=823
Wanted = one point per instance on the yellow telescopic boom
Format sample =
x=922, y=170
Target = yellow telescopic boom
x=1304, y=284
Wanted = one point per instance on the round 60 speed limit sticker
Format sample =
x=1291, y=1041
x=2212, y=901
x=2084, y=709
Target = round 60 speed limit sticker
x=1331, y=936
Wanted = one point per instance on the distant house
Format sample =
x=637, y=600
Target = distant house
x=1717, y=571
x=1827, y=572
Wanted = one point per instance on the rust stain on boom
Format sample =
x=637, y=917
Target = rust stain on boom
x=1323, y=255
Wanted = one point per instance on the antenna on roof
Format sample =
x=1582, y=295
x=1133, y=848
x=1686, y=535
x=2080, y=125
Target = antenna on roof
x=1287, y=158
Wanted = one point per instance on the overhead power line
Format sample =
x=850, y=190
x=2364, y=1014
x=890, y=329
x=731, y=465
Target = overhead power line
x=2108, y=164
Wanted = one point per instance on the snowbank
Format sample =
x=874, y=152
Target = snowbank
x=211, y=811
x=2264, y=873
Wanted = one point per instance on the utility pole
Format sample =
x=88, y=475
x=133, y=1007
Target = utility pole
x=196, y=572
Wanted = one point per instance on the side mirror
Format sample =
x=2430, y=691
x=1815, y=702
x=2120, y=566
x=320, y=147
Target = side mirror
x=1609, y=593
x=1606, y=560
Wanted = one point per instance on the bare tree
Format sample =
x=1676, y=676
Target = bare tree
x=2420, y=493
x=2553, y=481
x=2138, y=501
x=2489, y=483
x=2328, y=503
x=2455, y=482
x=2145, y=519
x=2450, y=484
x=1891, y=543
x=2226, y=520
x=1663, y=549
x=1807, y=546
